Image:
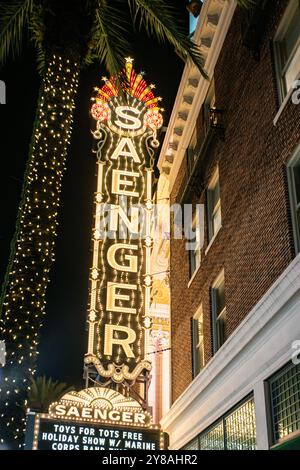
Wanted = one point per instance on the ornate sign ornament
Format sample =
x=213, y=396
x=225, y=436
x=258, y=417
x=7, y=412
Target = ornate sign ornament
x=127, y=118
x=100, y=405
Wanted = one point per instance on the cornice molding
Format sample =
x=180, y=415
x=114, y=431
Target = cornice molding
x=212, y=28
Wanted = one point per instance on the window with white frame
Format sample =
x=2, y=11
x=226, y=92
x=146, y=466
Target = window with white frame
x=210, y=100
x=293, y=170
x=287, y=49
x=198, y=341
x=214, y=217
x=194, y=245
x=191, y=150
x=218, y=312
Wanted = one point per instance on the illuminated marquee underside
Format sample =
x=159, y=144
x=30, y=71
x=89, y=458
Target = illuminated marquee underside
x=127, y=118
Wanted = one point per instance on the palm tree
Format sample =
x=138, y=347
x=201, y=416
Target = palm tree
x=67, y=35
x=43, y=392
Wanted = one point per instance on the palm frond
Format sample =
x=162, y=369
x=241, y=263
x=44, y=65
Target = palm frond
x=37, y=33
x=108, y=41
x=14, y=16
x=44, y=391
x=246, y=3
x=159, y=21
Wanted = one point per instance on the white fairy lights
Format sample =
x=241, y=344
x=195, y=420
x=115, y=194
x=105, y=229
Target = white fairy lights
x=28, y=275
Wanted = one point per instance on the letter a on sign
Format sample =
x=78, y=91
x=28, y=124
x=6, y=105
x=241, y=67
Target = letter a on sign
x=126, y=149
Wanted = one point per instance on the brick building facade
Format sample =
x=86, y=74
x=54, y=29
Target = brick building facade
x=240, y=174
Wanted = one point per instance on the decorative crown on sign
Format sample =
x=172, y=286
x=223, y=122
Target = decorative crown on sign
x=134, y=86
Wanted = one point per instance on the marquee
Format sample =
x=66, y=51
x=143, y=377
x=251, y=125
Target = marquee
x=96, y=418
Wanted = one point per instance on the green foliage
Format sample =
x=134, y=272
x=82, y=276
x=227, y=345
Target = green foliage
x=45, y=391
x=37, y=30
x=157, y=18
x=246, y=3
x=14, y=18
x=108, y=42
x=106, y=39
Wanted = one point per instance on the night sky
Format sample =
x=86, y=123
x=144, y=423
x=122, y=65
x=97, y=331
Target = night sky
x=63, y=336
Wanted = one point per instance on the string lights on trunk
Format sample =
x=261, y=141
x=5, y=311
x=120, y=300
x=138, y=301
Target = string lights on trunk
x=23, y=301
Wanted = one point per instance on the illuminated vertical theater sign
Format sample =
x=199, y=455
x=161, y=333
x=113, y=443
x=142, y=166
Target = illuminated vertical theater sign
x=127, y=117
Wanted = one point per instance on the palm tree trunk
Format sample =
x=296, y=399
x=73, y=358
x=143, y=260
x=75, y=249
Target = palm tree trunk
x=32, y=250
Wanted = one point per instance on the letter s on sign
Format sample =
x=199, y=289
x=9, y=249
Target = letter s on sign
x=123, y=113
x=60, y=410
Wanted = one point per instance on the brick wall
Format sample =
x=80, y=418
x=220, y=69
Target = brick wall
x=255, y=242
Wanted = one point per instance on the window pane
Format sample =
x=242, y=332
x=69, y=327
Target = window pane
x=241, y=428
x=194, y=259
x=296, y=171
x=196, y=255
x=218, y=313
x=193, y=445
x=200, y=357
x=194, y=248
x=221, y=325
x=192, y=262
x=213, y=439
x=200, y=343
x=215, y=192
x=288, y=49
x=234, y=431
x=217, y=220
x=214, y=209
x=292, y=35
x=193, y=142
x=200, y=327
x=220, y=298
x=285, y=401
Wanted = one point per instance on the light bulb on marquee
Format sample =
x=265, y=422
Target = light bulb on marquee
x=127, y=116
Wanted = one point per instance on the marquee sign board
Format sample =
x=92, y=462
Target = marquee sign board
x=67, y=435
x=93, y=419
x=127, y=118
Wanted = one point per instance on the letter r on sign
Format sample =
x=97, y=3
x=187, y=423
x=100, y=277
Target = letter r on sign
x=109, y=339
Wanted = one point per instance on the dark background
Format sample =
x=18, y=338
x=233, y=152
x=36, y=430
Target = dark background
x=63, y=336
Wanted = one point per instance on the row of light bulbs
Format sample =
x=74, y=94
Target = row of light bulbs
x=24, y=304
